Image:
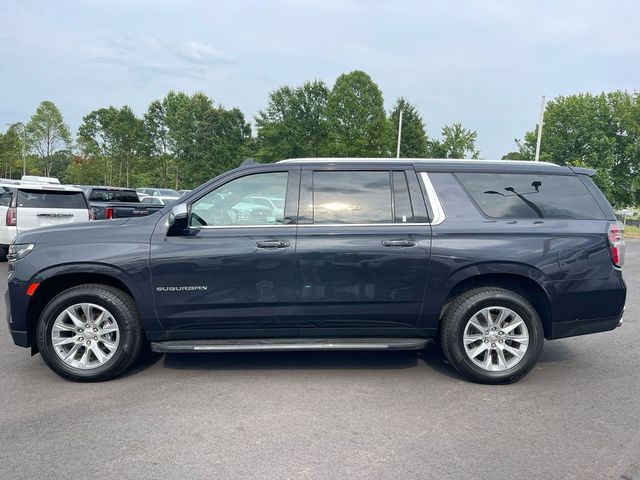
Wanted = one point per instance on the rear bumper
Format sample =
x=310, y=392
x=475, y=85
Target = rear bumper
x=584, y=327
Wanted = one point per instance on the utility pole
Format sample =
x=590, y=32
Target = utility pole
x=540, y=121
x=399, y=134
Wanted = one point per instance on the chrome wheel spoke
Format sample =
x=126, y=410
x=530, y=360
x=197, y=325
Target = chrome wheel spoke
x=477, y=351
x=75, y=341
x=513, y=325
x=472, y=338
x=502, y=346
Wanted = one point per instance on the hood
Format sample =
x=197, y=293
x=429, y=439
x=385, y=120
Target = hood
x=77, y=232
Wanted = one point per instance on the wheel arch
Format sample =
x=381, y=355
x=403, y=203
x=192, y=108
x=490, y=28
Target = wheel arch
x=519, y=283
x=54, y=281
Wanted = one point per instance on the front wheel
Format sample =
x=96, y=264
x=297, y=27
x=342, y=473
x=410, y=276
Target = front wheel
x=492, y=335
x=90, y=333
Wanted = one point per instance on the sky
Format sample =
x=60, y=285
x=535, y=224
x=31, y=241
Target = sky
x=484, y=63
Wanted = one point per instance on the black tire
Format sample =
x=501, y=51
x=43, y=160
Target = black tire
x=463, y=307
x=124, y=311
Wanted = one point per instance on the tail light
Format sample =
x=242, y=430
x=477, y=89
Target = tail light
x=616, y=243
x=108, y=213
x=12, y=217
x=92, y=214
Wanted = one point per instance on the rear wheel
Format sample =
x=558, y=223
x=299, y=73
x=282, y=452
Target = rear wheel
x=90, y=333
x=492, y=335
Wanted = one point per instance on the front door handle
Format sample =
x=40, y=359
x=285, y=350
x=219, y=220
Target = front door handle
x=399, y=243
x=272, y=244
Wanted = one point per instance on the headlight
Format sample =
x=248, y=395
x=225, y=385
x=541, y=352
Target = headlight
x=18, y=251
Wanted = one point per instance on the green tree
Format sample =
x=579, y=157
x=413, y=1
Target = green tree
x=47, y=133
x=597, y=131
x=358, y=126
x=113, y=140
x=413, y=143
x=456, y=142
x=294, y=124
x=155, y=124
x=11, y=150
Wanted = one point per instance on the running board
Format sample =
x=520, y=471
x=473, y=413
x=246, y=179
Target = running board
x=285, y=344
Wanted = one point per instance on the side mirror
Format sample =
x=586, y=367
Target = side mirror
x=178, y=219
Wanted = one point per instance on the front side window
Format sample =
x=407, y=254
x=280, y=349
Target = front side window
x=256, y=199
x=352, y=197
x=524, y=195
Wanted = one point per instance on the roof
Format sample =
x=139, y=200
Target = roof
x=41, y=186
x=444, y=164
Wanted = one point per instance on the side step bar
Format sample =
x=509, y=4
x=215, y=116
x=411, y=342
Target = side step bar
x=294, y=344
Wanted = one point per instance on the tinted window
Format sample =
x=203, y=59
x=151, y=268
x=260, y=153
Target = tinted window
x=5, y=196
x=352, y=197
x=235, y=203
x=502, y=195
x=48, y=199
x=103, y=195
x=402, y=211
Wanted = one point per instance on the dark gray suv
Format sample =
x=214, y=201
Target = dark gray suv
x=488, y=257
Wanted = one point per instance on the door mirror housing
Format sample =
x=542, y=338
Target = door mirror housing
x=178, y=220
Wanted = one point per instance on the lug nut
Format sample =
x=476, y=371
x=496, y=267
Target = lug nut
x=88, y=326
x=493, y=328
x=500, y=333
x=493, y=345
x=81, y=339
x=95, y=330
x=88, y=342
x=80, y=330
x=486, y=340
x=96, y=338
x=501, y=341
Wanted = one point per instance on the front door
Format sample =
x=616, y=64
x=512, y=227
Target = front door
x=232, y=273
x=363, y=251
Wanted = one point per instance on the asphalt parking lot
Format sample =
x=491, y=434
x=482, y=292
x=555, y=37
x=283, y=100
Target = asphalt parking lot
x=396, y=415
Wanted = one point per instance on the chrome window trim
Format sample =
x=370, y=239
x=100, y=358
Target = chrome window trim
x=203, y=227
x=438, y=212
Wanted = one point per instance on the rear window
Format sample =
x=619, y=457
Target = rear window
x=523, y=195
x=49, y=199
x=103, y=195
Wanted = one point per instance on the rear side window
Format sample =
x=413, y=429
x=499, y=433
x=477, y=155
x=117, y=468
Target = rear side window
x=523, y=195
x=49, y=199
x=6, y=194
x=352, y=197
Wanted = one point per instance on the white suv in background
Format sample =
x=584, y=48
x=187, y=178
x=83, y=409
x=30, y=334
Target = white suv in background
x=24, y=206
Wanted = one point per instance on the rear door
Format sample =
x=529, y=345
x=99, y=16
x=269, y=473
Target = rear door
x=44, y=207
x=362, y=251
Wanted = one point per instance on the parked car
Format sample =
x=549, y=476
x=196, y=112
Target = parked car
x=115, y=202
x=166, y=194
x=487, y=257
x=24, y=206
x=155, y=201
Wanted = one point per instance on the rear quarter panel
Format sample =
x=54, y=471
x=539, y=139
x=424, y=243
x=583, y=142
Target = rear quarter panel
x=569, y=259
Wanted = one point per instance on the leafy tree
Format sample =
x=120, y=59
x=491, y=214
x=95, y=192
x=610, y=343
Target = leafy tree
x=47, y=133
x=116, y=140
x=11, y=146
x=456, y=142
x=358, y=126
x=597, y=131
x=155, y=124
x=294, y=124
x=413, y=143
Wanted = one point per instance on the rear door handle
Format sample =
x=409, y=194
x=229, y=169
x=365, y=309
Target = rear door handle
x=272, y=244
x=399, y=243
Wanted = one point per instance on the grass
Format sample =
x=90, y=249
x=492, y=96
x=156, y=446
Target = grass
x=631, y=231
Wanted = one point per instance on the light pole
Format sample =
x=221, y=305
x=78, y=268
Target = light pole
x=539, y=139
x=399, y=134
